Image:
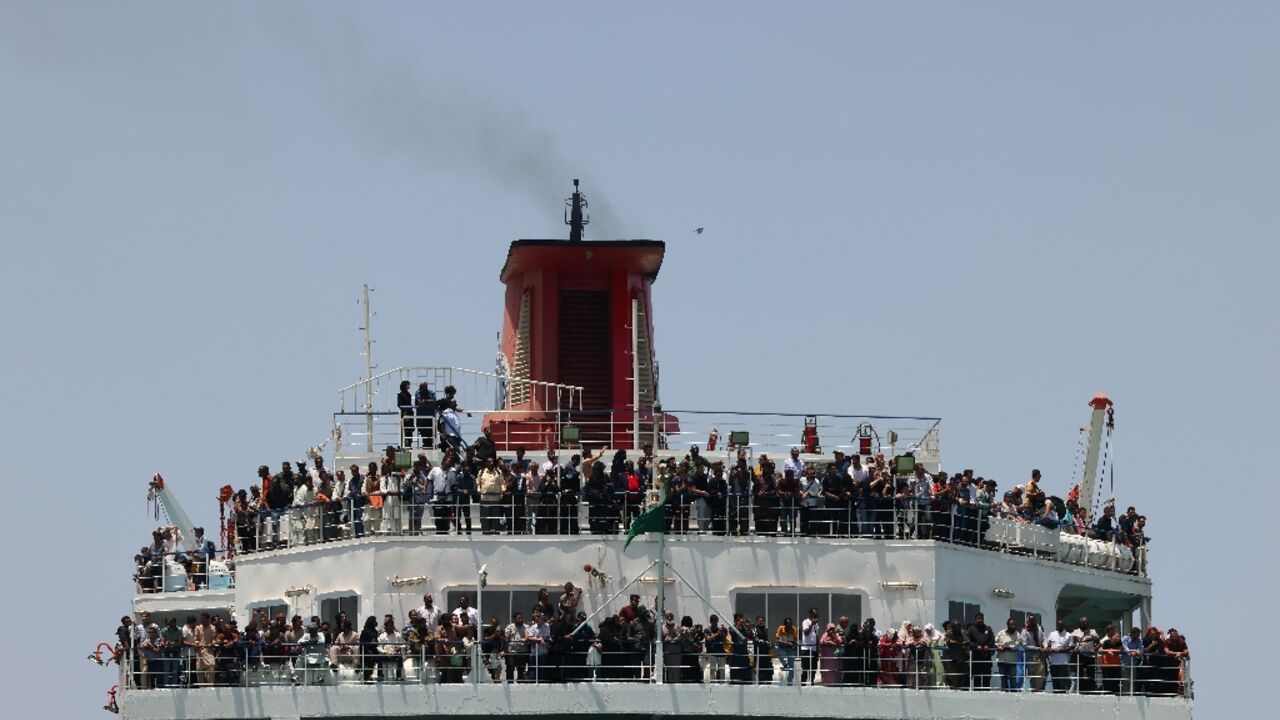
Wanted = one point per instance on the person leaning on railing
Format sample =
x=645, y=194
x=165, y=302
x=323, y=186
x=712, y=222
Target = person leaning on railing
x=1007, y=644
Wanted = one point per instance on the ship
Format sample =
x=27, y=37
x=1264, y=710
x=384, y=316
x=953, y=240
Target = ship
x=668, y=512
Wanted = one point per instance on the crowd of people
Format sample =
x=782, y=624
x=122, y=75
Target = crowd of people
x=474, y=489
x=556, y=641
x=152, y=561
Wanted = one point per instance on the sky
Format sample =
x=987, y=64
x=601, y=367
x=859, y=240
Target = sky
x=982, y=211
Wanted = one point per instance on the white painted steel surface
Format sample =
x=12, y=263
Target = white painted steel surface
x=431, y=701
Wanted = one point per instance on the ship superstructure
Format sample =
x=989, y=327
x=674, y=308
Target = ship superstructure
x=577, y=374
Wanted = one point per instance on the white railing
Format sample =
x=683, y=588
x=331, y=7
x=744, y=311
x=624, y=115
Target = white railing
x=369, y=417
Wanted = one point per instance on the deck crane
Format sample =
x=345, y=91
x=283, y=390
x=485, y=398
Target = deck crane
x=173, y=509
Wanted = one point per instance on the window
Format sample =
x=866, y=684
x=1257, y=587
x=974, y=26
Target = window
x=499, y=602
x=963, y=611
x=349, y=604
x=1020, y=617
x=777, y=605
x=272, y=608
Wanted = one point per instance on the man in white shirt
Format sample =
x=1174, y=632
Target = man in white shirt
x=794, y=464
x=810, y=501
x=551, y=468
x=1059, y=645
x=465, y=610
x=430, y=612
x=809, y=631
x=441, y=482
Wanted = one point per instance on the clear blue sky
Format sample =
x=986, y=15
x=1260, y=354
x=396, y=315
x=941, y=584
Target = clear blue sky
x=984, y=211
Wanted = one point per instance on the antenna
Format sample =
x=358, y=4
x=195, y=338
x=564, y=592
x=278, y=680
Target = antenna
x=574, y=215
x=368, y=364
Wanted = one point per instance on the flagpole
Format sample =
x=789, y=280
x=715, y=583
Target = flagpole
x=662, y=587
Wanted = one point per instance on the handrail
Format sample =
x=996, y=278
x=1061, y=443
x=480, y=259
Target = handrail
x=690, y=656
x=568, y=512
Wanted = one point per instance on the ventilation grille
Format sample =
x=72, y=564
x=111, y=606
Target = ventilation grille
x=519, y=393
x=585, y=358
x=645, y=375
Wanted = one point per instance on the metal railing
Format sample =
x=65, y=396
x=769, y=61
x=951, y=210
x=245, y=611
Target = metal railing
x=368, y=417
x=611, y=513
x=585, y=658
x=183, y=572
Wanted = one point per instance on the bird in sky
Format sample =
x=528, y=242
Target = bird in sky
x=698, y=230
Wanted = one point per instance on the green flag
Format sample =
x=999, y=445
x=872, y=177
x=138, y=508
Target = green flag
x=651, y=520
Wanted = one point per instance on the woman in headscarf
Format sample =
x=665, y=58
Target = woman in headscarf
x=829, y=645
x=890, y=659
x=935, y=676
x=598, y=499
x=915, y=648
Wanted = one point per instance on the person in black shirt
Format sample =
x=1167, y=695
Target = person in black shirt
x=424, y=408
x=981, y=640
x=570, y=487
x=717, y=497
x=760, y=650
x=740, y=488
x=369, y=647
x=404, y=400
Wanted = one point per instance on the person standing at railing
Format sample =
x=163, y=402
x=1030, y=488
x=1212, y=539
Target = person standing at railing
x=516, y=638
x=786, y=639
x=762, y=651
x=1033, y=643
x=522, y=470
x=956, y=660
x=390, y=651
x=717, y=497
x=206, y=661
x=739, y=645
x=415, y=493
x=549, y=512
x=300, y=508
x=442, y=483
x=787, y=488
x=1007, y=643
x=1177, y=653
x=539, y=647
x=741, y=485
x=345, y=649
x=490, y=484
x=940, y=508
x=835, y=496
x=532, y=500
x=696, y=488
x=981, y=641
x=408, y=423
x=597, y=493
x=369, y=648
x=1086, y=646
x=937, y=675
x=570, y=494
x=1059, y=646
x=766, y=502
x=424, y=408
x=1110, y=652
x=1132, y=656
x=716, y=641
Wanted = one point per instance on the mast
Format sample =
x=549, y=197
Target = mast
x=575, y=218
x=368, y=369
